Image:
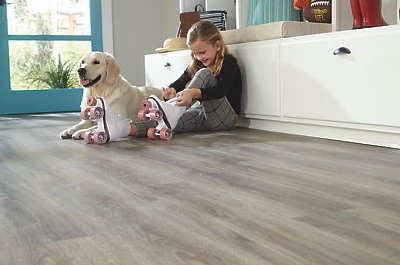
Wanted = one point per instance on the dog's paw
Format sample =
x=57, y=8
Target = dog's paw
x=78, y=135
x=67, y=134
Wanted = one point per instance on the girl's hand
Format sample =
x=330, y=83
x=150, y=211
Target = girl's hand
x=185, y=97
x=168, y=92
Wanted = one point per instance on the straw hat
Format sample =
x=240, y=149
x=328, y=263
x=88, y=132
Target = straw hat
x=173, y=44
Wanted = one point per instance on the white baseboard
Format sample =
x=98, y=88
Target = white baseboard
x=364, y=134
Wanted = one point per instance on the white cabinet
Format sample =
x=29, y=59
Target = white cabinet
x=164, y=68
x=297, y=85
x=360, y=87
x=259, y=63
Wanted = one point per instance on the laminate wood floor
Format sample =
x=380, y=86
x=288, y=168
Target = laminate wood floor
x=238, y=197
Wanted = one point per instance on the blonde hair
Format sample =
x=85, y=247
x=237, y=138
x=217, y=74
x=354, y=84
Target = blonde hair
x=206, y=31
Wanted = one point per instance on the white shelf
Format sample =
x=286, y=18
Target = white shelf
x=341, y=13
x=342, y=18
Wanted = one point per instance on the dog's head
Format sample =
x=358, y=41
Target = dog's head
x=98, y=67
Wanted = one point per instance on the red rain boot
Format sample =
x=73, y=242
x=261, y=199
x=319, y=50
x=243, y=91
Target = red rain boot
x=372, y=14
x=356, y=12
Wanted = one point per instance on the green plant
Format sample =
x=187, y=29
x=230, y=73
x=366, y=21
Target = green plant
x=54, y=75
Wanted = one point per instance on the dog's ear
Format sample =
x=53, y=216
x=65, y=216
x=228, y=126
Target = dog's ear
x=112, y=71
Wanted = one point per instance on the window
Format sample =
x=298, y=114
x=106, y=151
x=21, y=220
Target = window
x=41, y=42
x=46, y=39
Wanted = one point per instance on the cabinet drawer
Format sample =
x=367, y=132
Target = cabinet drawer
x=163, y=69
x=360, y=87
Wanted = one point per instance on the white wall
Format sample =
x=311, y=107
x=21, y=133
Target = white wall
x=138, y=28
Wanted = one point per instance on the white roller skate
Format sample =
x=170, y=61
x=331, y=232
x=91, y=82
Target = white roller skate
x=110, y=125
x=165, y=113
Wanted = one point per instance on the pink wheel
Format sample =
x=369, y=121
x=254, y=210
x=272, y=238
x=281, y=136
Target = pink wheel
x=88, y=137
x=100, y=138
x=145, y=104
x=142, y=115
x=85, y=114
x=151, y=133
x=96, y=113
x=166, y=134
x=156, y=115
x=91, y=101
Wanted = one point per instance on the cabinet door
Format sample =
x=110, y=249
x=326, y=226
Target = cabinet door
x=259, y=64
x=361, y=87
x=164, y=68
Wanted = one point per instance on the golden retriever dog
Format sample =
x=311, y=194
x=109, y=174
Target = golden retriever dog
x=100, y=76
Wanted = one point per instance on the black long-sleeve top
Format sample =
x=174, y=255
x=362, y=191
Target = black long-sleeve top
x=229, y=83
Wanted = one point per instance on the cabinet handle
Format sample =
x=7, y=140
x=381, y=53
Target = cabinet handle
x=341, y=50
x=167, y=64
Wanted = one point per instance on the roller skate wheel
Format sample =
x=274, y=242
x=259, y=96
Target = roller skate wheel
x=156, y=115
x=142, y=115
x=96, y=113
x=166, y=134
x=100, y=138
x=151, y=133
x=85, y=114
x=88, y=137
x=92, y=101
x=145, y=104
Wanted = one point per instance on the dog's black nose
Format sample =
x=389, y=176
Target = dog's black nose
x=81, y=71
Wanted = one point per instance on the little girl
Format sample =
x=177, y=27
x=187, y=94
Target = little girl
x=213, y=78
